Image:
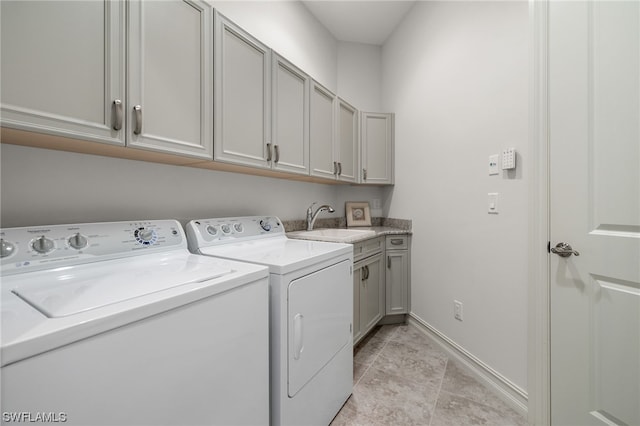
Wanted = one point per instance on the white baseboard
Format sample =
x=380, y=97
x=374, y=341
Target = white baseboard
x=509, y=392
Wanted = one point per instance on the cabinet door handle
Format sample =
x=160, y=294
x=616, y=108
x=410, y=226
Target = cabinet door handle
x=367, y=271
x=396, y=242
x=138, y=113
x=117, y=114
x=268, y=152
x=364, y=174
x=277, y=149
x=339, y=168
x=388, y=262
x=335, y=168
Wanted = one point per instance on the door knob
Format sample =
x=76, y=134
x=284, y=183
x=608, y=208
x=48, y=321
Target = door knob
x=564, y=250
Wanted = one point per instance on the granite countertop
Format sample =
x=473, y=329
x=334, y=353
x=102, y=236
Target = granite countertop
x=381, y=226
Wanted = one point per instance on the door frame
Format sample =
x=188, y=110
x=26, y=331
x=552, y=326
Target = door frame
x=539, y=282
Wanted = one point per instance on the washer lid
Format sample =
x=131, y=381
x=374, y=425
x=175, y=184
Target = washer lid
x=281, y=254
x=69, y=291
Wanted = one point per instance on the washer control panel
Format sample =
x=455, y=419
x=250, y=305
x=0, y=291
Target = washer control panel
x=207, y=232
x=40, y=247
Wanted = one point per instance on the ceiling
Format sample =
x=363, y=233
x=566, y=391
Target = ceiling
x=359, y=21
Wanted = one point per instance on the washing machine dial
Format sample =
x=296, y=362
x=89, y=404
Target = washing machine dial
x=145, y=236
x=77, y=241
x=42, y=245
x=6, y=248
x=238, y=227
x=264, y=224
x=211, y=230
x=226, y=229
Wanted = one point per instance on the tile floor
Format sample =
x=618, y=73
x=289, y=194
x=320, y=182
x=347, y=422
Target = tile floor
x=402, y=377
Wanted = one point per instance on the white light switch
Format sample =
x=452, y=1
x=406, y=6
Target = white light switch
x=493, y=203
x=493, y=164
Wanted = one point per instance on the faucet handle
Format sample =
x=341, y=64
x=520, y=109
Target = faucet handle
x=311, y=206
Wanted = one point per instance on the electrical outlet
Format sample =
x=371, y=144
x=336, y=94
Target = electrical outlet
x=457, y=310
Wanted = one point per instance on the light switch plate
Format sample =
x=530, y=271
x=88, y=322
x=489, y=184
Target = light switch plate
x=493, y=165
x=492, y=207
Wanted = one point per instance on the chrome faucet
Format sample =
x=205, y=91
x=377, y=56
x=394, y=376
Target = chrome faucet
x=311, y=216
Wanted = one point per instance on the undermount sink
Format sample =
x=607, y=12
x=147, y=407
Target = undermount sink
x=339, y=235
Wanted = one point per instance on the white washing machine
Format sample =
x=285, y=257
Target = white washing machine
x=118, y=324
x=311, y=312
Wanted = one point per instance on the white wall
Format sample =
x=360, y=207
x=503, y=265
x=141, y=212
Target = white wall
x=360, y=75
x=48, y=187
x=455, y=74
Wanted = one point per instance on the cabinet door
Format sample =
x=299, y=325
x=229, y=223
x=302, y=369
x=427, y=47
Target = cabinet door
x=170, y=96
x=372, y=293
x=348, y=142
x=290, y=117
x=357, y=282
x=322, y=132
x=63, y=67
x=397, y=282
x=242, y=97
x=377, y=148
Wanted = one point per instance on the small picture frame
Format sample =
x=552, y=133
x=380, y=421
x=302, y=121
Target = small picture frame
x=358, y=213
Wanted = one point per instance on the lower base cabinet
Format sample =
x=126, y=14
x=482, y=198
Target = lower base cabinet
x=381, y=282
x=368, y=286
x=397, y=281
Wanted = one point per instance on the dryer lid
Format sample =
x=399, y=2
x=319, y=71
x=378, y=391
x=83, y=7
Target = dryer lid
x=72, y=290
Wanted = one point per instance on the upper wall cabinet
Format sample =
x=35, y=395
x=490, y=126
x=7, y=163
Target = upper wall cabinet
x=322, y=132
x=377, y=148
x=170, y=76
x=333, y=136
x=63, y=68
x=290, y=117
x=242, y=97
x=63, y=72
x=347, y=142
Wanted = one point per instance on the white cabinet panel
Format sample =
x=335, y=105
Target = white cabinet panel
x=170, y=76
x=242, y=96
x=322, y=132
x=377, y=148
x=372, y=293
x=397, y=282
x=290, y=117
x=63, y=67
x=347, y=142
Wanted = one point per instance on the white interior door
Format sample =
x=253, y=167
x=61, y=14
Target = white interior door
x=594, y=87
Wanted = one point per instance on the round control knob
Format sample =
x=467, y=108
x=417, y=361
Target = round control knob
x=77, y=241
x=238, y=227
x=42, y=245
x=6, y=248
x=145, y=236
x=211, y=230
x=265, y=225
x=225, y=229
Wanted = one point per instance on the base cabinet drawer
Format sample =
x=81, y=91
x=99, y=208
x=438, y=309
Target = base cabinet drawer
x=367, y=248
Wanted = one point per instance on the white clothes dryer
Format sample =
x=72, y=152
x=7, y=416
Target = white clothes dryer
x=117, y=323
x=311, y=285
